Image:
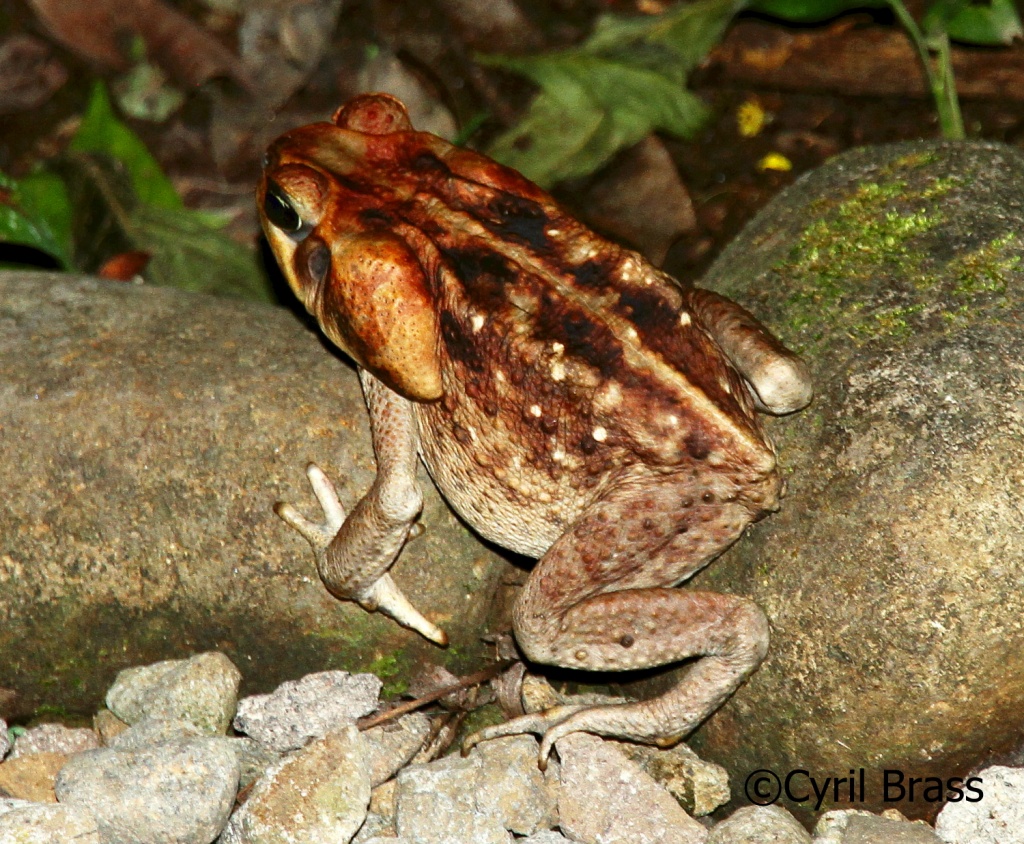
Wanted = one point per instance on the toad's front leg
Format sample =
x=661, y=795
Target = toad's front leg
x=602, y=599
x=353, y=554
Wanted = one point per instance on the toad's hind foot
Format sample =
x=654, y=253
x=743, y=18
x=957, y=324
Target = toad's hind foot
x=544, y=724
x=656, y=721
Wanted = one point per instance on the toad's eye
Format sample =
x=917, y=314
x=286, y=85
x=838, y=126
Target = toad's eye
x=279, y=210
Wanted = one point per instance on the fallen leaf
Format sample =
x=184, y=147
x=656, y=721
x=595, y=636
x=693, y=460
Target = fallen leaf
x=102, y=31
x=626, y=80
x=29, y=74
x=280, y=46
x=124, y=267
x=640, y=199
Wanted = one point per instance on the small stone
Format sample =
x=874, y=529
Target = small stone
x=54, y=738
x=253, y=759
x=605, y=797
x=108, y=725
x=376, y=828
x=32, y=777
x=5, y=742
x=759, y=825
x=879, y=830
x=177, y=791
x=512, y=787
x=856, y=826
x=301, y=710
x=546, y=836
x=202, y=690
x=997, y=817
x=437, y=804
x=391, y=745
x=315, y=795
x=830, y=826
x=699, y=786
x=150, y=731
x=384, y=800
x=37, y=823
x=385, y=839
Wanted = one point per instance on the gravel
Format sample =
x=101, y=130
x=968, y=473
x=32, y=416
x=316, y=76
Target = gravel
x=295, y=768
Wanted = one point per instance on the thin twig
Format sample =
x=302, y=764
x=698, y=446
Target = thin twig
x=474, y=679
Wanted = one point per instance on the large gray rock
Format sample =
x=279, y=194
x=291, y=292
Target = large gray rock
x=318, y=794
x=893, y=574
x=179, y=791
x=48, y=823
x=202, y=690
x=146, y=435
x=996, y=817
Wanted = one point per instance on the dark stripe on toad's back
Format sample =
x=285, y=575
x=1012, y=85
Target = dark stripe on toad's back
x=584, y=337
x=686, y=348
x=518, y=219
x=485, y=276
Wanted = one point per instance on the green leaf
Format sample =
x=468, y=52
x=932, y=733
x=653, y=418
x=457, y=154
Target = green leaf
x=626, y=81
x=191, y=254
x=810, y=11
x=590, y=109
x=187, y=250
x=102, y=132
x=988, y=24
x=36, y=212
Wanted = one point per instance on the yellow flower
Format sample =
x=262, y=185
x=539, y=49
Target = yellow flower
x=750, y=118
x=775, y=161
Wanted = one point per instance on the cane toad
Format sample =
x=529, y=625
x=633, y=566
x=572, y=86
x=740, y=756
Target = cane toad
x=570, y=401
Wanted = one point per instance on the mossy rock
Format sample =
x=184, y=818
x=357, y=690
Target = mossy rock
x=892, y=575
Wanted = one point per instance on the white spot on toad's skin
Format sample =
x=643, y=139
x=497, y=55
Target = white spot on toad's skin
x=673, y=420
x=631, y=333
x=557, y=348
x=558, y=454
x=557, y=371
x=684, y=318
x=725, y=385
x=477, y=322
x=609, y=397
x=499, y=376
x=553, y=232
x=599, y=434
x=535, y=410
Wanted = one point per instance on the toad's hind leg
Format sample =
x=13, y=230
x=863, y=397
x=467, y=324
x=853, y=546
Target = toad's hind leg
x=601, y=599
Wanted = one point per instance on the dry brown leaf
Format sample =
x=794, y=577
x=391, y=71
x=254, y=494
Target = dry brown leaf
x=29, y=74
x=495, y=27
x=124, y=266
x=102, y=31
x=640, y=199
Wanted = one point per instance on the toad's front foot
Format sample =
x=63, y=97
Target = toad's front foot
x=318, y=534
x=362, y=578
